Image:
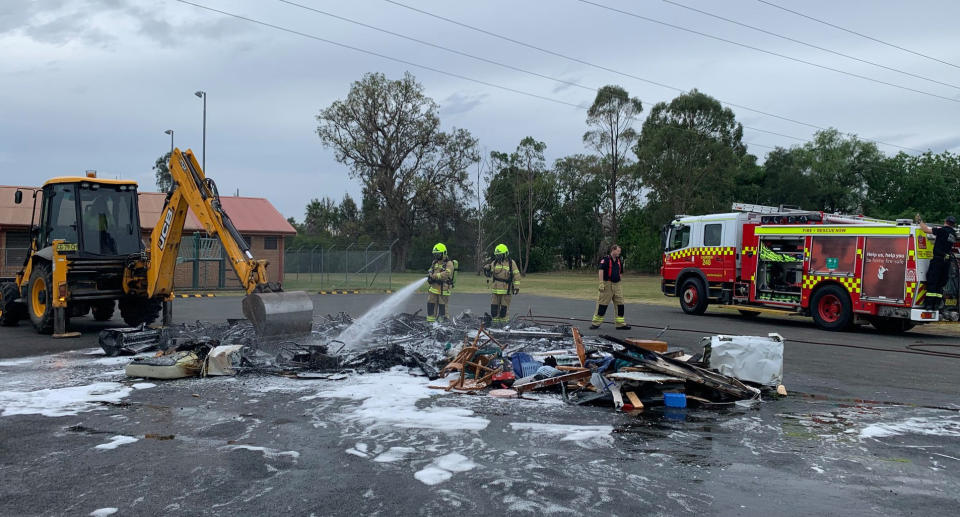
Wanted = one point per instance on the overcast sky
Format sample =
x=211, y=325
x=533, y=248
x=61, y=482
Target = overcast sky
x=93, y=84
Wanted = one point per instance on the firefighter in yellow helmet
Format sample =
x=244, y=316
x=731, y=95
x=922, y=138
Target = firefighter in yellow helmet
x=440, y=279
x=506, y=282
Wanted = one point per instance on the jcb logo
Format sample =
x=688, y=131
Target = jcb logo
x=167, y=222
x=183, y=164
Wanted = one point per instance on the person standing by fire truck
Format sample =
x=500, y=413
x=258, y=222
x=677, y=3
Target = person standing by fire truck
x=938, y=273
x=609, y=273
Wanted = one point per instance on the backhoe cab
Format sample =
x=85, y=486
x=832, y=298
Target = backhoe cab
x=87, y=254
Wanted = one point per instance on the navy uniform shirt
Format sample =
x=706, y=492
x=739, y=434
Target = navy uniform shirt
x=945, y=239
x=611, y=267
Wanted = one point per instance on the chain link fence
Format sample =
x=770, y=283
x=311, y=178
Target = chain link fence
x=201, y=265
x=351, y=266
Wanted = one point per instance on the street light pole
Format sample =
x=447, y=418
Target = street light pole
x=170, y=132
x=203, y=95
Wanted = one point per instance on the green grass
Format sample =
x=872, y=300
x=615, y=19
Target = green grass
x=576, y=285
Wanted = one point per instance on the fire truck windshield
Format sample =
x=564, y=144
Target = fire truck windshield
x=679, y=237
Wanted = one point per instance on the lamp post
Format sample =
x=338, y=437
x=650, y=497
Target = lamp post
x=203, y=95
x=170, y=132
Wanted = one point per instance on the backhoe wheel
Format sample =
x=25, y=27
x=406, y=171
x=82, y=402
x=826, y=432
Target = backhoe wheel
x=137, y=311
x=831, y=308
x=11, y=312
x=693, y=296
x=103, y=310
x=40, y=297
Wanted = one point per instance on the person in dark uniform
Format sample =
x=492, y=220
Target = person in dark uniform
x=938, y=272
x=609, y=272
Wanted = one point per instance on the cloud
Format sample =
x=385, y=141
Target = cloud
x=104, y=23
x=459, y=103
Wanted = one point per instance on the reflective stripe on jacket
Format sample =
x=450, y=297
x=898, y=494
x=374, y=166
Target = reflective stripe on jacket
x=439, y=276
x=501, y=271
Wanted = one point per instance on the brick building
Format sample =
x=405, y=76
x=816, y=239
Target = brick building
x=263, y=227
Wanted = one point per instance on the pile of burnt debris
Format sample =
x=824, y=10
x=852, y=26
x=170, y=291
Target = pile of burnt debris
x=469, y=357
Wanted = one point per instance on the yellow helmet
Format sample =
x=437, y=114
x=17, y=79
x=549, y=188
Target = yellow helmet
x=501, y=250
x=439, y=249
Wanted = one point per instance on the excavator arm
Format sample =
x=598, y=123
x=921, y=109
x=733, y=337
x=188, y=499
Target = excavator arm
x=273, y=312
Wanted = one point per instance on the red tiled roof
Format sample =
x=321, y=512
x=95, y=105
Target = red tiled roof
x=253, y=215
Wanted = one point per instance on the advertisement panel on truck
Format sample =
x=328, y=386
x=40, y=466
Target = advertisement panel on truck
x=884, y=268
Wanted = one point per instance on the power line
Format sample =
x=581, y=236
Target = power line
x=425, y=67
x=770, y=52
x=441, y=47
x=623, y=74
x=485, y=60
x=871, y=38
x=377, y=54
x=811, y=45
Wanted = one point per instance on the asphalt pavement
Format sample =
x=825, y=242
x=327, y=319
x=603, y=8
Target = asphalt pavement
x=871, y=426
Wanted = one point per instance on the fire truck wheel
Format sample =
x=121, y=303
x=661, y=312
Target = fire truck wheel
x=693, y=296
x=831, y=308
x=891, y=325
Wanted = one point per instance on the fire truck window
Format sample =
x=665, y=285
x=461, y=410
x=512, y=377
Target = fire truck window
x=712, y=234
x=679, y=237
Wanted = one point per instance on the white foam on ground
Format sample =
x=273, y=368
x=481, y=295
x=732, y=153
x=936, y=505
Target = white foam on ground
x=926, y=426
x=455, y=462
x=389, y=399
x=394, y=454
x=61, y=401
x=143, y=385
x=15, y=362
x=584, y=435
x=266, y=451
x=103, y=512
x=116, y=441
x=432, y=475
x=443, y=468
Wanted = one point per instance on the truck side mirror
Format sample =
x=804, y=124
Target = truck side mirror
x=18, y=197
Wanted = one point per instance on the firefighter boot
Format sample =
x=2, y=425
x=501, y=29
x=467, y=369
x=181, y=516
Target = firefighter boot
x=621, y=323
x=494, y=313
x=503, y=315
x=598, y=317
x=431, y=312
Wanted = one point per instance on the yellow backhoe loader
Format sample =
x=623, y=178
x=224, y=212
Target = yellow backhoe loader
x=87, y=255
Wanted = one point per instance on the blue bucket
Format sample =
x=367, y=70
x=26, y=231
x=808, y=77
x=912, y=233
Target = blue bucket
x=678, y=400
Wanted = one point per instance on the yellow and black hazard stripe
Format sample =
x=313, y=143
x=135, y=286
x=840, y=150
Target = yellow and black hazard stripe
x=195, y=295
x=702, y=250
x=851, y=284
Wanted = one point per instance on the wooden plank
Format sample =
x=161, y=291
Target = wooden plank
x=575, y=376
x=649, y=344
x=634, y=400
x=578, y=341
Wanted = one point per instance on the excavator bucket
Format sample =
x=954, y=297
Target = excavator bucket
x=279, y=315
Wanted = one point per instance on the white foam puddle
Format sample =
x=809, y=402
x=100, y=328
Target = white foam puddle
x=926, y=426
x=443, y=468
x=116, y=441
x=266, y=451
x=61, y=401
x=390, y=399
x=583, y=435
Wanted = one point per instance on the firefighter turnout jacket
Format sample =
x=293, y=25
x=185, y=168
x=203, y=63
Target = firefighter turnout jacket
x=505, y=275
x=440, y=276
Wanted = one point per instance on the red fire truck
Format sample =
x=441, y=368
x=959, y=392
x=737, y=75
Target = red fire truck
x=841, y=270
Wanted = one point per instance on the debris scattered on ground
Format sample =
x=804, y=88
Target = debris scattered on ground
x=463, y=355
